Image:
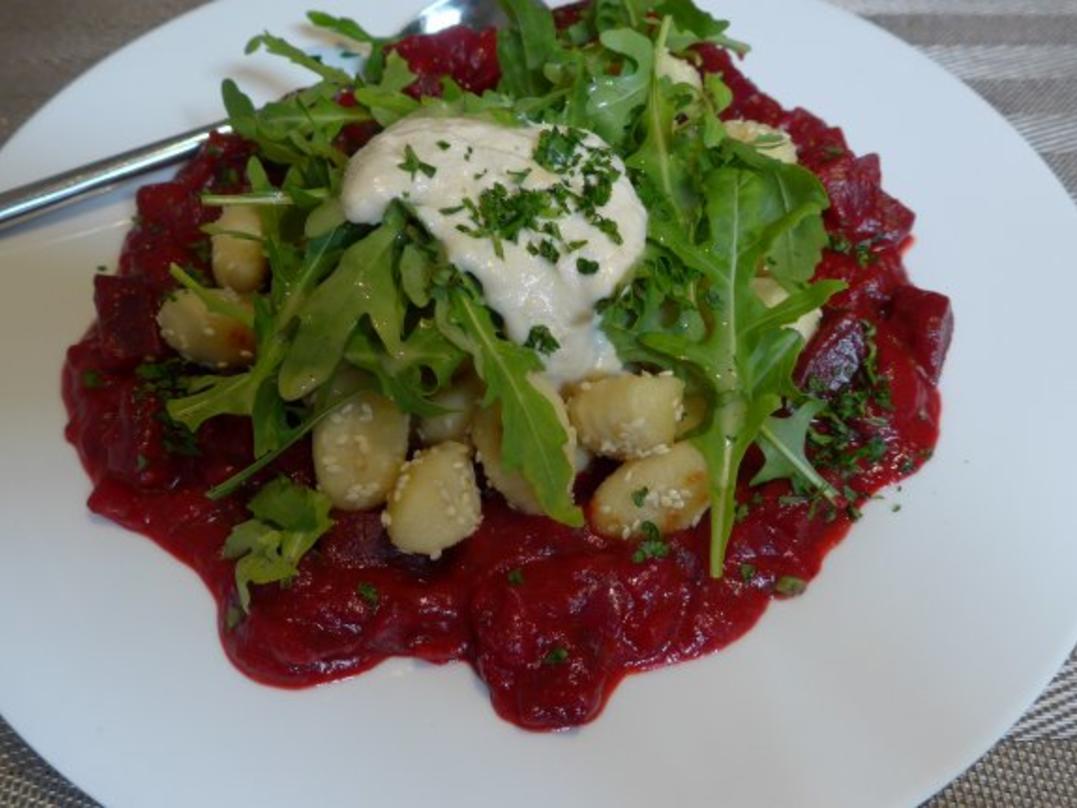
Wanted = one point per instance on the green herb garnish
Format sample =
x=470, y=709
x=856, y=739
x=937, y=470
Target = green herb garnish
x=413, y=165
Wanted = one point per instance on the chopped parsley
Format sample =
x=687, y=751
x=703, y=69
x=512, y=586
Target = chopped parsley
x=443, y=145
x=557, y=149
x=585, y=266
x=413, y=165
x=652, y=545
x=519, y=176
x=501, y=214
x=515, y=577
x=544, y=248
x=607, y=226
x=92, y=380
x=639, y=496
x=164, y=380
x=747, y=572
x=790, y=586
x=557, y=655
x=540, y=339
x=369, y=593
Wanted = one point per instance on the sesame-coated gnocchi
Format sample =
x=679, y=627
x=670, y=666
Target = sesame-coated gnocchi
x=486, y=435
x=435, y=502
x=667, y=490
x=358, y=450
x=238, y=262
x=768, y=140
x=203, y=336
x=772, y=293
x=461, y=399
x=627, y=416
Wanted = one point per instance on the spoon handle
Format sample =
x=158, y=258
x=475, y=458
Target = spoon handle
x=22, y=203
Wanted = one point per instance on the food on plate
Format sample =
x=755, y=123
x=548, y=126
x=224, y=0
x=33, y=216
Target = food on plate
x=561, y=349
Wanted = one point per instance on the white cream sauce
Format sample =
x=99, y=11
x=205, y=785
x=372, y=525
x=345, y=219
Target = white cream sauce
x=462, y=158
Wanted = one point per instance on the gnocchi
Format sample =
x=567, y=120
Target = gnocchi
x=358, y=450
x=435, y=501
x=462, y=400
x=627, y=416
x=486, y=434
x=204, y=336
x=678, y=71
x=773, y=141
x=667, y=490
x=772, y=293
x=239, y=262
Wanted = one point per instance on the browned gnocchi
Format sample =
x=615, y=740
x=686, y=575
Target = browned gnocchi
x=668, y=490
x=203, y=336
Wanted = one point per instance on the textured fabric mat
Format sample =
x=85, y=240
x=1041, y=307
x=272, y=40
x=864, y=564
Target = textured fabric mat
x=1020, y=55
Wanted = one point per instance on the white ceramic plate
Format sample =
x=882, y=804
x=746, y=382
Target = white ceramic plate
x=925, y=637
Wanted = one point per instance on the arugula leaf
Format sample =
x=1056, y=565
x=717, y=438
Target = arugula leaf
x=210, y=396
x=386, y=99
x=609, y=14
x=654, y=159
x=614, y=99
x=797, y=248
x=289, y=520
x=783, y=440
x=533, y=440
x=297, y=130
x=343, y=26
x=362, y=285
x=743, y=385
x=402, y=373
x=524, y=47
x=688, y=17
x=280, y=47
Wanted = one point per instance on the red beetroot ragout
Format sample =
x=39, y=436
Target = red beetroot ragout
x=552, y=639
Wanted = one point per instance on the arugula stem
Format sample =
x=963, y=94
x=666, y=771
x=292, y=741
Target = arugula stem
x=264, y=198
x=215, y=303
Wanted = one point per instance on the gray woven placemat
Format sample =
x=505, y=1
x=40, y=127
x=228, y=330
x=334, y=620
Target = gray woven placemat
x=1021, y=55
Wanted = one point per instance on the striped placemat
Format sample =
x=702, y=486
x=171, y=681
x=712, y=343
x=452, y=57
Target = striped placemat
x=1020, y=55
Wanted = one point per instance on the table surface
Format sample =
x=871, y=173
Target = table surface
x=1021, y=55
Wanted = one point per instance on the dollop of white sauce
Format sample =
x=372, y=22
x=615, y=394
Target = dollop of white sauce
x=464, y=157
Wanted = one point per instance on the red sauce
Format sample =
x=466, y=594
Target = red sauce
x=553, y=638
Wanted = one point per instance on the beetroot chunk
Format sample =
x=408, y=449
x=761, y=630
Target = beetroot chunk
x=172, y=208
x=467, y=56
x=859, y=207
x=126, y=321
x=834, y=355
x=135, y=441
x=925, y=321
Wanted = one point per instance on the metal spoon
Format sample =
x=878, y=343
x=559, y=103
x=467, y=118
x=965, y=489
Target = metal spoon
x=22, y=203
